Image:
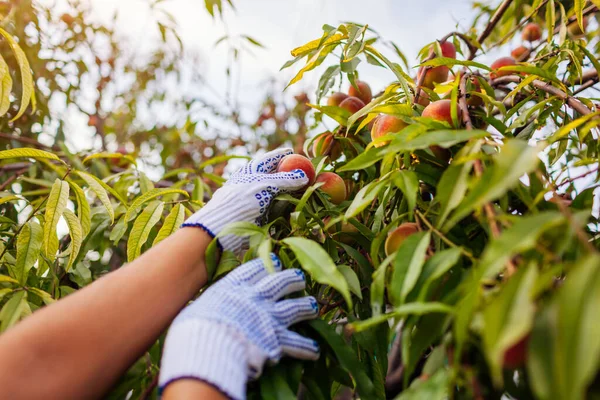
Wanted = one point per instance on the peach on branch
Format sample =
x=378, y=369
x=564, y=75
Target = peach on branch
x=326, y=145
x=352, y=104
x=440, y=110
x=336, y=98
x=384, y=125
x=433, y=75
x=519, y=53
x=361, y=91
x=499, y=63
x=333, y=185
x=296, y=161
x=531, y=32
x=398, y=235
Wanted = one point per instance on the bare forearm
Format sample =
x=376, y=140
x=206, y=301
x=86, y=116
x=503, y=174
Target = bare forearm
x=79, y=346
x=192, y=389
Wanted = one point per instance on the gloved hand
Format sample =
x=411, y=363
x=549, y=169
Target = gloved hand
x=226, y=335
x=246, y=197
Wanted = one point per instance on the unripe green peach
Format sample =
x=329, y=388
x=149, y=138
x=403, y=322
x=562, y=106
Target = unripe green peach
x=398, y=235
x=440, y=110
x=531, y=32
x=352, y=104
x=336, y=98
x=333, y=185
x=384, y=125
x=362, y=91
x=296, y=161
x=499, y=63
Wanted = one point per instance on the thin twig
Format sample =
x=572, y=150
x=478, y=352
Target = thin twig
x=443, y=237
x=491, y=25
x=13, y=177
x=26, y=140
x=548, y=88
x=567, y=181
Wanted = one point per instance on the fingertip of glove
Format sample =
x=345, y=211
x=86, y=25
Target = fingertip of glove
x=276, y=262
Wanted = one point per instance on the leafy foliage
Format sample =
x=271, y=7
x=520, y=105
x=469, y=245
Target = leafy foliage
x=496, y=295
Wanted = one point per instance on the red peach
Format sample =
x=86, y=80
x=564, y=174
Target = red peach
x=516, y=355
x=433, y=75
x=352, y=104
x=398, y=235
x=326, y=145
x=333, y=185
x=440, y=110
x=296, y=161
x=499, y=63
x=336, y=98
x=531, y=32
x=519, y=53
x=362, y=91
x=448, y=49
x=384, y=125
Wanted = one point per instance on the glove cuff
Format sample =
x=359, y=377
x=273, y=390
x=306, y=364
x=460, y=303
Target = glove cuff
x=207, y=351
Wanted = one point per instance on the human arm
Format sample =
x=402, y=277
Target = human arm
x=79, y=346
x=225, y=337
x=185, y=389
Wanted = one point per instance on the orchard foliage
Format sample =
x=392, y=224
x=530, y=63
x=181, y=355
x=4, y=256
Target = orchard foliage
x=463, y=262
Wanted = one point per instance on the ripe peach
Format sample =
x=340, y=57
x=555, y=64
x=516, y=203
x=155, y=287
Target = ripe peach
x=423, y=98
x=516, y=356
x=362, y=91
x=531, y=32
x=433, y=75
x=398, y=235
x=441, y=153
x=384, y=125
x=333, y=185
x=519, y=53
x=499, y=63
x=296, y=161
x=448, y=49
x=336, y=98
x=575, y=30
x=440, y=110
x=352, y=104
x=325, y=144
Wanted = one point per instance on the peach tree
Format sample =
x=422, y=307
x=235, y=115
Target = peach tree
x=451, y=237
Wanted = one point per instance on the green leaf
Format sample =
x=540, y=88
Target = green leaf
x=315, y=260
x=171, y=224
x=83, y=208
x=105, y=155
x=347, y=358
x=98, y=187
x=452, y=186
x=23, y=152
x=13, y=310
x=76, y=232
x=520, y=237
x=152, y=194
x=4, y=278
x=142, y=227
x=352, y=279
x=365, y=196
x=434, y=388
x=516, y=159
x=57, y=202
x=7, y=84
x=408, y=183
x=242, y=228
x=565, y=343
x=340, y=115
x=46, y=297
x=29, y=244
x=401, y=312
x=508, y=318
x=119, y=230
x=436, y=267
x=578, y=8
x=27, y=94
x=408, y=265
x=450, y=62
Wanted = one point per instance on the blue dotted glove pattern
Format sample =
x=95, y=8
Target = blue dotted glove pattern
x=248, y=300
x=246, y=196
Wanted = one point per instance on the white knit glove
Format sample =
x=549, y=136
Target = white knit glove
x=246, y=197
x=226, y=335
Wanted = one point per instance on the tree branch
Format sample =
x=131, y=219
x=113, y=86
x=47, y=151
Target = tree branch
x=491, y=25
x=30, y=141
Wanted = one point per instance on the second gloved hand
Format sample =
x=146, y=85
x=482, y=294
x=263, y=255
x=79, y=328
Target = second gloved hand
x=225, y=336
x=246, y=196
